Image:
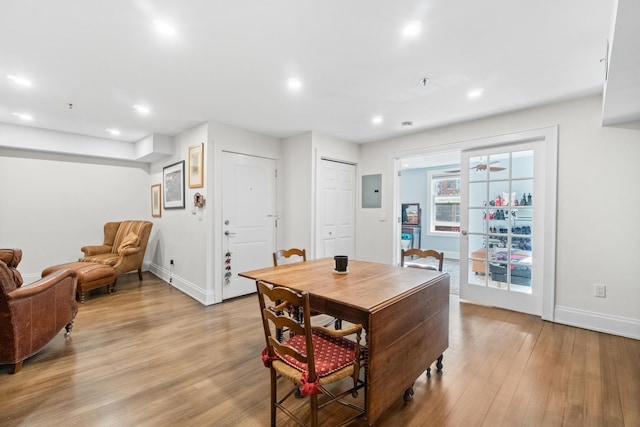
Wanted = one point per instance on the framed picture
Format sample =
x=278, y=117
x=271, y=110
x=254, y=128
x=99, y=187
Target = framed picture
x=156, y=197
x=411, y=213
x=196, y=166
x=173, y=178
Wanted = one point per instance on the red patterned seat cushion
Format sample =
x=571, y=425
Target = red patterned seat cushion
x=331, y=353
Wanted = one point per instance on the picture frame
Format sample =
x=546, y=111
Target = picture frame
x=411, y=213
x=173, y=180
x=156, y=200
x=196, y=166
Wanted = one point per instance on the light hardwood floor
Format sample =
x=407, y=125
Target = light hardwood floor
x=149, y=355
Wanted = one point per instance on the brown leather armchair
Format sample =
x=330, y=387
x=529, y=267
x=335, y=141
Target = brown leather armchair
x=124, y=246
x=33, y=314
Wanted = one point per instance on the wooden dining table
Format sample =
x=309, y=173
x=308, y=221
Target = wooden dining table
x=405, y=312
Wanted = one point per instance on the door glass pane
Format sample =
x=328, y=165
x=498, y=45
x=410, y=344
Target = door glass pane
x=477, y=260
x=522, y=164
x=478, y=194
x=499, y=166
x=476, y=275
x=523, y=189
x=499, y=275
x=478, y=170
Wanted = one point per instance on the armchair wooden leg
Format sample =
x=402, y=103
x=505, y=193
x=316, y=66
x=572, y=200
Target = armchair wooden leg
x=68, y=329
x=140, y=273
x=16, y=367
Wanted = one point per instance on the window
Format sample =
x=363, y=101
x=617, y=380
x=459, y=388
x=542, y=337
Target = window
x=444, y=199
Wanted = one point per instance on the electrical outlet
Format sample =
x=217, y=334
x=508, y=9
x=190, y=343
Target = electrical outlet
x=171, y=261
x=599, y=290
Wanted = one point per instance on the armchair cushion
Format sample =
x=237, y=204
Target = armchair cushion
x=12, y=279
x=11, y=257
x=131, y=241
x=108, y=258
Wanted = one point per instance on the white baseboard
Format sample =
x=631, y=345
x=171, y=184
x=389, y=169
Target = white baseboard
x=181, y=284
x=606, y=323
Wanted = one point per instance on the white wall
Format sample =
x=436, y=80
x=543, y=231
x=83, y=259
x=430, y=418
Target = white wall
x=300, y=156
x=194, y=241
x=328, y=147
x=598, y=239
x=297, y=192
x=53, y=204
x=181, y=235
x=228, y=138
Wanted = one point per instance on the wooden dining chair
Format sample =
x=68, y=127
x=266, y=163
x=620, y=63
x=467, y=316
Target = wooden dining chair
x=422, y=254
x=290, y=254
x=311, y=359
x=300, y=255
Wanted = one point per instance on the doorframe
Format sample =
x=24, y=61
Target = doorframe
x=215, y=269
x=316, y=229
x=319, y=156
x=549, y=181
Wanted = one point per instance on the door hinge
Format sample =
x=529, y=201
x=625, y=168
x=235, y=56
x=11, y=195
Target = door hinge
x=276, y=173
x=399, y=173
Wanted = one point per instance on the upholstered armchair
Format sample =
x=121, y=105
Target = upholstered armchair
x=124, y=246
x=33, y=314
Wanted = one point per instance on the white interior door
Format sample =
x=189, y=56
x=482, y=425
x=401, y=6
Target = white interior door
x=335, y=209
x=502, y=222
x=249, y=219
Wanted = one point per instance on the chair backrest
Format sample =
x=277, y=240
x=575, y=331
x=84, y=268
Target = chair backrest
x=141, y=229
x=287, y=254
x=422, y=253
x=280, y=308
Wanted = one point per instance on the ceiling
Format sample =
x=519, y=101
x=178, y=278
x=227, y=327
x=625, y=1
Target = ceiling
x=91, y=61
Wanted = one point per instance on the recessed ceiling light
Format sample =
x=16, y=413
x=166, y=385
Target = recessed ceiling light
x=377, y=120
x=19, y=80
x=142, y=109
x=475, y=93
x=23, y=116
x=294, y=84
x=412, y=29
x=164, y=28
x=114, y=132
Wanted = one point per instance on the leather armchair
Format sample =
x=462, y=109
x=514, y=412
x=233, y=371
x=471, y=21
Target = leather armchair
x=123, y=248
x=33, y=314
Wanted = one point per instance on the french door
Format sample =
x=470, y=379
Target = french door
x=506, y=250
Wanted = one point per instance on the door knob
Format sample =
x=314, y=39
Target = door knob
x=228, y=233
x=464, y=232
